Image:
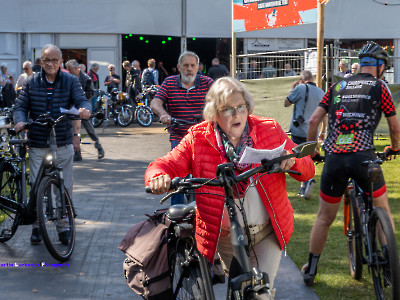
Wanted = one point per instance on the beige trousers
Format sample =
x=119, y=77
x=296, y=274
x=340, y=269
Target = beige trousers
x=266, y=248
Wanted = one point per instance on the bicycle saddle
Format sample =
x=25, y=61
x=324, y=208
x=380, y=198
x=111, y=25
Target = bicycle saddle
x=179, y=212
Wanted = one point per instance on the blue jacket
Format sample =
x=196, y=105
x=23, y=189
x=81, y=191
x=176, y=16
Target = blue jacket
x=33, y=101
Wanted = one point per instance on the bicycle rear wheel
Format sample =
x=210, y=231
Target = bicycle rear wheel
x=10, y=188
x=53, y=226
x=385, y=267
x=353, y=235
x=186, y=274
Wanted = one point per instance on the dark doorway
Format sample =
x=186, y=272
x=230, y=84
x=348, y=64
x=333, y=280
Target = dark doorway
x=79, y=54
x=166, y=49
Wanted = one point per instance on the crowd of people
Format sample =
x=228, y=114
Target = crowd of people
x=229, y=126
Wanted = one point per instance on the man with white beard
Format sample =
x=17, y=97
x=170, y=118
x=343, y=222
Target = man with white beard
x=183, y=96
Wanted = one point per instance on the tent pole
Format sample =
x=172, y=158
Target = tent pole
x=320, y=41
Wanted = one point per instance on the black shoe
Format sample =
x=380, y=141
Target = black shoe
x=308, y=277
x=64, y=236
x=77, y=156
x=36, y=236
x=101, y=153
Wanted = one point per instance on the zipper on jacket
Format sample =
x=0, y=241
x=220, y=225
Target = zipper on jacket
x=276, y=222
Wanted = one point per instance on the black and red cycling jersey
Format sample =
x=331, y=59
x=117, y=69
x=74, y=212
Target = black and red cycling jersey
x=355, y=107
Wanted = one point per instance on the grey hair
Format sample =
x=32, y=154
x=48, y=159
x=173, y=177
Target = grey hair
x=217, y=96
x=28, y=62
x=72, y=63
x=306, y=75
x=215, y=61
x=188, y=53
x=3, y=65
x=95, y=65
x=51, y=46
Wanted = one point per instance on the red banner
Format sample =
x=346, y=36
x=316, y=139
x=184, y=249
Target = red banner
x=251, y=15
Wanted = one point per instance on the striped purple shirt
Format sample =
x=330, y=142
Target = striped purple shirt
x=183, y=103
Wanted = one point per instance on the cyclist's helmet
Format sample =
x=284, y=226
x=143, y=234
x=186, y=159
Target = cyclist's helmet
x=373, y=50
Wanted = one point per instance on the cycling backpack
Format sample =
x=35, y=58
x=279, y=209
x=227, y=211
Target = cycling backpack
x=146, y=268
x=148, y=77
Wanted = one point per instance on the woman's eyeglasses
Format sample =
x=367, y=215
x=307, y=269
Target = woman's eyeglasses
x=229, y=111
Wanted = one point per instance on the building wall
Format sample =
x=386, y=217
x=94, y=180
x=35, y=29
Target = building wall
x=103, y=49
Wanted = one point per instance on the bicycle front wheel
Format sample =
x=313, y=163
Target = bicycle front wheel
x=353, y=235
x=10, y=188
x=385, y=267
x=58, y=231
x=187, y=282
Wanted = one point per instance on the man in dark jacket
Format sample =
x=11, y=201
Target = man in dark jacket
x=88, y=88
x=216, y=70
x=48, y=92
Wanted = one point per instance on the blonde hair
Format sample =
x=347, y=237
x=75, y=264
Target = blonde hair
x=219, y=92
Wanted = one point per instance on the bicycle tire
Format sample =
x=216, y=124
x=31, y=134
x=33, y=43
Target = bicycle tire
x=386, y=277
x=96, y=122
x=51, y=226
x=192, y=286
x=353, y=236
x=125, y=116
x=144, y=116
x=10, y=188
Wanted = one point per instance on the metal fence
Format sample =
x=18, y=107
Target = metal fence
x=279, y=63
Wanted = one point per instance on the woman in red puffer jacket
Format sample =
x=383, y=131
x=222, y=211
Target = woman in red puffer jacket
x=229, y=126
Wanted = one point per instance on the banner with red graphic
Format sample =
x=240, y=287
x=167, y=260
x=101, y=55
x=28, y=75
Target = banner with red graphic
x=249, y=15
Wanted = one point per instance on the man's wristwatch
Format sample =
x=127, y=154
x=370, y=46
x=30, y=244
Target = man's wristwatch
x=77, y=134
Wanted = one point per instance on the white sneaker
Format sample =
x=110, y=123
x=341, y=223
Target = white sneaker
x=309, y=189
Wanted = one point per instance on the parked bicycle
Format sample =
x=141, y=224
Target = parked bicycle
x=369, y=233
x=190, y=273
x=48, y=200
x=114, y=106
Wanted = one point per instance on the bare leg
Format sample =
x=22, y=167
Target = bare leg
x=383, y=202
x=319, y=233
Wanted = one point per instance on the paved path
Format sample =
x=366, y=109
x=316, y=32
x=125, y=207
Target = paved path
x=109, y=198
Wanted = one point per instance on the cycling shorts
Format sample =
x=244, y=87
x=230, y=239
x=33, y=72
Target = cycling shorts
x=339, y=167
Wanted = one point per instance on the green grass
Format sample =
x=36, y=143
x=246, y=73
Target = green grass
x=333, y=280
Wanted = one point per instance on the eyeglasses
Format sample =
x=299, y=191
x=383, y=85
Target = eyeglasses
x=229, y=111
x=52, y=61
x=25, y=69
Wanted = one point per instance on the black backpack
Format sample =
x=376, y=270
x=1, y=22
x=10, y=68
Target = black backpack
x=148, y=77
x=8, y=94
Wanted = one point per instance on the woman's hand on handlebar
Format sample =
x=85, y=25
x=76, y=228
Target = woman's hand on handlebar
x=166, y=119
x=160, y=184
x=287, y=164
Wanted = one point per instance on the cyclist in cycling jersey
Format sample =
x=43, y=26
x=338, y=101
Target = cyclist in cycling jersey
x=354, y=106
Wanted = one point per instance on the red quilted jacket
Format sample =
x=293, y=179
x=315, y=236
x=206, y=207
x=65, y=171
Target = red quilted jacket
x=198, y=154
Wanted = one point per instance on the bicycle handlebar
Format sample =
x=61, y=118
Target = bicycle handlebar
x=45, y=120
x=382, y=156
x=225, y=172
